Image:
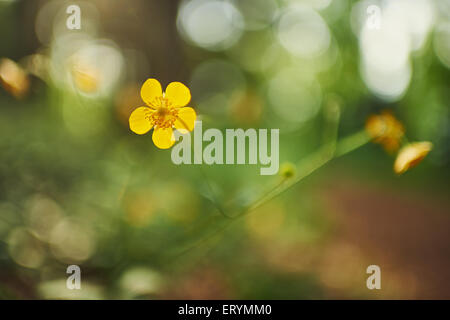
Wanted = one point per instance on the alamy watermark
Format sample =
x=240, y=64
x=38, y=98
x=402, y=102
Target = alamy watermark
x=73, y=22
x=373, y=17
x=74, y=280
x=213, y=147
x=374, y=281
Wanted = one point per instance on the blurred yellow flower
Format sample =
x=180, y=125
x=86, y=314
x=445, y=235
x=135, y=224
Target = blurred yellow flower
x=411, y=155
x=246, y=107
x=127, y=97
x=140, y=207
x=13, y=78
x=164, y=111
x=386, y=130
x=86, y=78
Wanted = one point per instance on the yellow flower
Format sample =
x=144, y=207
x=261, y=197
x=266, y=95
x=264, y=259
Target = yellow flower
x=164, y=111
x=13, y=78
x=86, y=79
x=411, y=155
x=386, y=130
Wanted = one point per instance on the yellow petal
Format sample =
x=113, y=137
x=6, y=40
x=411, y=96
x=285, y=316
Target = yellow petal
x=178, y=94
x=151, y=92
x=139, y=120
x=185, y=120
x=163, y=138
x=13, y=78
x=86, y=80
x=411, y=155
x=386, y=130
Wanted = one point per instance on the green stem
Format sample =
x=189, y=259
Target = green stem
x=311, y=164
x=305, y=168
x=212, y=194
x=352, y=142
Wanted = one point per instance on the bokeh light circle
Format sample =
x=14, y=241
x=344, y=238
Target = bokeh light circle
x=293, y=96
x=257, y=14
x=213, y=25
x=303, y=32
x=389, y=86
x=441, y=43
x=85, y=65
x=257, y=51
x=25, y=249
x=72, y=241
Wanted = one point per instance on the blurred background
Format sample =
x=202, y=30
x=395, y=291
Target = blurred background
x=78, y=187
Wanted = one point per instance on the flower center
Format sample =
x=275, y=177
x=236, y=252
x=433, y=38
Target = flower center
x=164, y=117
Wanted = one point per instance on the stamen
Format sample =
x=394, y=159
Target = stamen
x=164, y=117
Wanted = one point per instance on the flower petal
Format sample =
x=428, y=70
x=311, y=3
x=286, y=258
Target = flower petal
x=185, y=120
x=178, y=94
x=163, y=138
x=151, y=91
x=13, y=78
x=139, y=121
x=411, y=155
x=386, y=130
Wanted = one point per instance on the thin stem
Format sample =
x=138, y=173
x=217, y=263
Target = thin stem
x=212, y=194
x=332, y=116
x=306, y=167
x=265, y=195
x=214, y=199
x=352, y=142
x=314, y=162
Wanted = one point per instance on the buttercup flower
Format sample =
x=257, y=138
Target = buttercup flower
x=411, y=155
x=13, y=78
x=386, y=130
x=164, y=111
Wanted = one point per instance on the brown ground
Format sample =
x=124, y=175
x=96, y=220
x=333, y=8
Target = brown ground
x=406, y=234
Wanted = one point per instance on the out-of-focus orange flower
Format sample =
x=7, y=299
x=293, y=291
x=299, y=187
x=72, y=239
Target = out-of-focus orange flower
x=140, y=207
x=411, y=155
x=386, y=130
x=13, y=78
x=164, y=111
x=127, y=97
x=246, y=107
